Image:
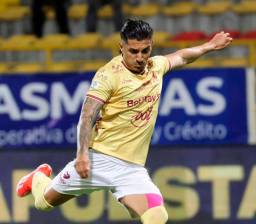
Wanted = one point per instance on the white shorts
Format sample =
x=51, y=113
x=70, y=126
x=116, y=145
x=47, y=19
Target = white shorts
x=120, y=177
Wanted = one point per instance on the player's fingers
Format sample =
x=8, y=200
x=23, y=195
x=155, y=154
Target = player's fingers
x=229, y=39
x=83, y=175
x=84, y=172
x=80, y=170
x=83, y=168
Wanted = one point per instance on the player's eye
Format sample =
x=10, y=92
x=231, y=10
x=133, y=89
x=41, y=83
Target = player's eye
x=145, y=51
x=133, y=51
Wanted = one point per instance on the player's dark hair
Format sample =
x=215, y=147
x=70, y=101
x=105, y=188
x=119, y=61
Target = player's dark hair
x=136, y=29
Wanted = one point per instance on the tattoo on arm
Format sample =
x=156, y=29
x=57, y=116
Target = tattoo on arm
x=89, y=113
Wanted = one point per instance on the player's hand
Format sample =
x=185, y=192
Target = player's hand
x=220, y=40
x=82, y=165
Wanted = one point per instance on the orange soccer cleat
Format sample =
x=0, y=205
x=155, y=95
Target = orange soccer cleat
x=25, y=183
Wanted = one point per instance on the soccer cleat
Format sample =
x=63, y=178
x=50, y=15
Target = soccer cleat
x=25, y=183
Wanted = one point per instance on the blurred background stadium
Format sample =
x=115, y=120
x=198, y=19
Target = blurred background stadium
x=203, y=150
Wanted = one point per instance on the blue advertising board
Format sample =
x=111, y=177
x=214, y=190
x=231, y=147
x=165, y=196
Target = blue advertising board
x=198, y=106
x=207, y=106
x=41, y=110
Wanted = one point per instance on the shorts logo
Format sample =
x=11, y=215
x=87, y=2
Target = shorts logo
x=142, y=118
x=66, y=175
x=62, y=180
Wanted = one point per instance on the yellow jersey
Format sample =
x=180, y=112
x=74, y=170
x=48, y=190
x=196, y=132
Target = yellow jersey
x=130, y=109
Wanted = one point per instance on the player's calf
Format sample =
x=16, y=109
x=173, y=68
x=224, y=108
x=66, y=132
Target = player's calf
x=155, y=215
x=39, y=184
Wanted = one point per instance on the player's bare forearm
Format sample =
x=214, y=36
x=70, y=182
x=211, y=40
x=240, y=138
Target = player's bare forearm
x=88, y=116
x=188, y=55
x=87, y=119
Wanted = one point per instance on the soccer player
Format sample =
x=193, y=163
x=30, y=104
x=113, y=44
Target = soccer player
x=116, y=123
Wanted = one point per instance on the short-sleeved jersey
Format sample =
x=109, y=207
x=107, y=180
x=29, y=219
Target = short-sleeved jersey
x=128, y=116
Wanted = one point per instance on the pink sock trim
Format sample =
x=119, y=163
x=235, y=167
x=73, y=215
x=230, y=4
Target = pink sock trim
x=154, y=200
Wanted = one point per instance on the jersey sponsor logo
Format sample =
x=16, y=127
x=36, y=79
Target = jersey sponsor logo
x=144, y=99
x=142, y=117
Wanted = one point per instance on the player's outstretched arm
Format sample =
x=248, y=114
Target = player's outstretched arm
x=89, y=113
x=188, y=55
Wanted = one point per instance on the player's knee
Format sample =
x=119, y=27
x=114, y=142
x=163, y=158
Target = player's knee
x=155, y=215
x=42, y=204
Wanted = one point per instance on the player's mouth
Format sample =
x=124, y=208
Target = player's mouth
x=140, y=66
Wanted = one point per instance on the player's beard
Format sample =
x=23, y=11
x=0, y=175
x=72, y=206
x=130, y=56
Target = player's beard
x=140, y=68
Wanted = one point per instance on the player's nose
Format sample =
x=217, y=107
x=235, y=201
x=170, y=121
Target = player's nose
x=139, y=58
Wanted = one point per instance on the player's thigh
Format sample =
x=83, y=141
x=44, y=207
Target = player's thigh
x=136, y=204
x=149, y=207
x=55, y=198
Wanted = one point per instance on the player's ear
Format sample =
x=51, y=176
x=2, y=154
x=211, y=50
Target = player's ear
x=120, y=47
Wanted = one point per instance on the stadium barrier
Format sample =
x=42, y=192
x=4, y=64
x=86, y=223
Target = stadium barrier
x=74, y=53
